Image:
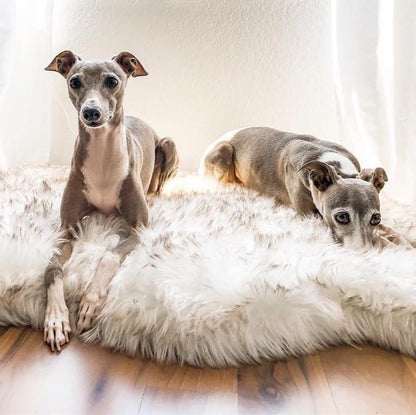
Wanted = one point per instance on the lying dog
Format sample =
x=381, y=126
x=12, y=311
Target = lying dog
x=116, y=161
x=311, y=175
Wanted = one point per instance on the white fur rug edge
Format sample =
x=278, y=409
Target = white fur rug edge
x=220, y=278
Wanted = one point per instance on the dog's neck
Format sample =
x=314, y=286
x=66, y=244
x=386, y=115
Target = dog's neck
x=102, y=149
x=106, y=140
x=105, y=164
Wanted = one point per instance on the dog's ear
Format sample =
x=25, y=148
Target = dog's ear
x=377, y=177
x=63, y=62
x=130, y=64
x=322, y=175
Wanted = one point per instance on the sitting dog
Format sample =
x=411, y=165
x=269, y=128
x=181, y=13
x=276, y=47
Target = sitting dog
x=116, y=161
x=311, y=175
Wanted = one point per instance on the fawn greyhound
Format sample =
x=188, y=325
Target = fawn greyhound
x=116, y=161
x=311, y=175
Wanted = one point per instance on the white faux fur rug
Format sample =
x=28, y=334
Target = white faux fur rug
x=220, y=278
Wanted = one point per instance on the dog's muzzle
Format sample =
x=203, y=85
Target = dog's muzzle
x=92, y=116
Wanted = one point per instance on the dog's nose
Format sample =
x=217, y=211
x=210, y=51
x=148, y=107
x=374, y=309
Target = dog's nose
x=91, y=114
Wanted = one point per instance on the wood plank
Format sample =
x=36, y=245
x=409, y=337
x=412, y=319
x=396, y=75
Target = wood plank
x=170, y=401
x=258, y=390
x=218, y=380
x=294, y=388
x=3, y=330
x=191, y=378
x=165, y=376
x=173, y=389
x=121, y=386
x=81, y=379
x=370, y=380
x=11, y=341
x=88, y=379
x=297, y=386
x=321, y=394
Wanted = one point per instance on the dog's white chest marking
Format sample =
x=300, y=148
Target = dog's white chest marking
x=345, y=164
x=104, y=169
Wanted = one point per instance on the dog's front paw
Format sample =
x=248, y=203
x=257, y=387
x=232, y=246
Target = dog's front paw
x=89, y=307
x=56, y=328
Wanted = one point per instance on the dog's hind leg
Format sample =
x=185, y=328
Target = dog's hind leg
x=166, y=164
x=219, y=163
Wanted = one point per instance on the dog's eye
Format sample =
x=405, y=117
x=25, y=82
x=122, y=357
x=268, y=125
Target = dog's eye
x=375, y=219
x=111, y=82
x=75, y=83
x=343, y=218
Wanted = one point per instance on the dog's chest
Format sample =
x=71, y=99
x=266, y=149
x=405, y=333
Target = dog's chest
x=104, y=170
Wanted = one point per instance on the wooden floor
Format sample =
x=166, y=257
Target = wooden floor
x=89, y=380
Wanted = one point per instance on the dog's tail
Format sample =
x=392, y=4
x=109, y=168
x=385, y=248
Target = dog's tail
x=166, y=164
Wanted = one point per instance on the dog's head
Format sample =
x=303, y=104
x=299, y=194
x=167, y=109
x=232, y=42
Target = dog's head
x=350, y=207
x=96, y=88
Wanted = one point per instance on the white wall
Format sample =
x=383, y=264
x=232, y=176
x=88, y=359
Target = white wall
x=213, y=66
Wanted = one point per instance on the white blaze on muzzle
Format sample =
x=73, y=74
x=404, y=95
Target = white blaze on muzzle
x=360, y=238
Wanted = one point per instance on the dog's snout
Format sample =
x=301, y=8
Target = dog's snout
x=91, y=114
x=361, y=238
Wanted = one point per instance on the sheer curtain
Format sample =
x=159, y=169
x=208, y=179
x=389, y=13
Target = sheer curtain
x=25, y=104
x=374, y=55
x=7, y=25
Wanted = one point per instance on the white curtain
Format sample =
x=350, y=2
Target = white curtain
x=374, y=54
x=7, y=25
x=25, y=102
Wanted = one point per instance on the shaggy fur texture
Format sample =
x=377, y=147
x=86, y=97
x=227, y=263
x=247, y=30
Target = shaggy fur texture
x=218, y=279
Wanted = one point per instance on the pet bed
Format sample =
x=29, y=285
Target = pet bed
x=221, y=276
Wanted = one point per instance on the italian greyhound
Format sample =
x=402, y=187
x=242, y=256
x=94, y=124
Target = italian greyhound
x=311, y=175
x=117, y=160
